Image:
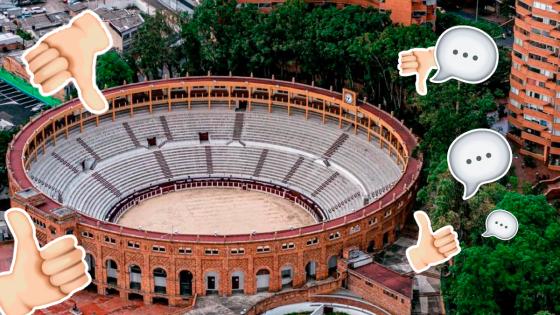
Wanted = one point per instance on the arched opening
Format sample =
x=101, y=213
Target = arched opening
x=160, y=300
x=237, y=282
x=332, y=265
x=135, y=297
x=263, y=280
x=311, y=271
x=112, y=272
x=112, y=275
x=160, y=281
x=371, y=246
x=185, y=283
x=212, y=282
x=90, y=261
x=385, y=238
x=286, y=275
x=135, y=277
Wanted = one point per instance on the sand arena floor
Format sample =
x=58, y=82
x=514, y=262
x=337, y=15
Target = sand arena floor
x=216, y=210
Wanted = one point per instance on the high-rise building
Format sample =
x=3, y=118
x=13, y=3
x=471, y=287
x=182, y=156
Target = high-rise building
x=534, y=98
x=404, y=12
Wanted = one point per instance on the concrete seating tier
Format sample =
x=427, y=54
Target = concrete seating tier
x=293, y=146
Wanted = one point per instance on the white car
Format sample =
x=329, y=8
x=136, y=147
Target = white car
x=38, y=10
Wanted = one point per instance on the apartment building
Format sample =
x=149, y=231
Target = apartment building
x=534, y=98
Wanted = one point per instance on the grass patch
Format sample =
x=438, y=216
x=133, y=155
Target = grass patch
x=27, y=88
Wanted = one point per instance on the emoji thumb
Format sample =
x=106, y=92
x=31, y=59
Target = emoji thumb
x=421, y=86
x=92, y=99
x=22, y=229
x=424, y=224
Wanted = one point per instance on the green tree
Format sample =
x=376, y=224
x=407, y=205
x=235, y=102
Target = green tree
x=5, y=138
x=519, y=276
x=153, y=47
x=112, y=70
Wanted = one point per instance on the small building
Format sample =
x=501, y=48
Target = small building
x=5, y=125
x=4, y=230
x=76, y=8
x=383, y=287
x=123, y=24
x=9, y=42
x=41, y=24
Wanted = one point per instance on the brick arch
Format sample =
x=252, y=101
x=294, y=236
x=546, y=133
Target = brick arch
x=107, y=258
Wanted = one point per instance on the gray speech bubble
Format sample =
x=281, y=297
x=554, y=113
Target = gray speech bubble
x=501, y=224
x=466, y=54
x=478, y=157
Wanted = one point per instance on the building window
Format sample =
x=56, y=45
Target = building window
x=237, y=251
x=388, y=213
x=334, y=236
x=134, y=245
x=394, y=296
x=287, y=246
x=110, y=240
x=185, y=251
x=312, y=241
x=211, y=252
x=263, y=249
x=372, y=221
x=354, y=229
x=87, y=234
x=159, y=249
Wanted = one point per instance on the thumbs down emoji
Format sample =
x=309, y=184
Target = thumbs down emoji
x=68, y=54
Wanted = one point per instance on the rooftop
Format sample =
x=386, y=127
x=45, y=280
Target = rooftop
x=120, y=20
x=9, y=38
x=387, y=277
x=77, y=7
x=43, y=21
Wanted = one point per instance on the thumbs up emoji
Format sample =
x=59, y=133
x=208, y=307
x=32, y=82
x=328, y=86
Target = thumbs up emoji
x=40, y=277
x=68, y=54
x=432, y=248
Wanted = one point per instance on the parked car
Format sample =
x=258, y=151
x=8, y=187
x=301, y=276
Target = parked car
x=38, y=10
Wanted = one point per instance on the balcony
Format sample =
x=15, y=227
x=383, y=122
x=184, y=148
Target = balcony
x=544, y=13
x=533, y=125
x=543, y=39
x=535, y=113
x=534, y=138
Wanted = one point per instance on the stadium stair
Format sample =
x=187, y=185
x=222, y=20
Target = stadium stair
x=345, y=201
x=260, y=164
x=163, y=164
x=293, y=170
x=209, y=166
x=106, y=184
x=337, y=144
x=166, y=129
x=131, y=134
x=65, y=163
x=238, y=126
x=325, y=184
x=88, y=149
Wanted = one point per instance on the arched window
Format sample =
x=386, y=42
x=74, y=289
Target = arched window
x=185, y=283
x=135, y=277
x=160, y=281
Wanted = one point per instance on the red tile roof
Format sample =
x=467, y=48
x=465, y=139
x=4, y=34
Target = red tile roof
x=388, y=278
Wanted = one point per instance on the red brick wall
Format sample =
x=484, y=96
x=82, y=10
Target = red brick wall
x=395, y=303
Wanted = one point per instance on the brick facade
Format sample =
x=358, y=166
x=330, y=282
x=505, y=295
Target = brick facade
x=109, y=245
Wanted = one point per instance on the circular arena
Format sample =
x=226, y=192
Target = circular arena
x=215, y=185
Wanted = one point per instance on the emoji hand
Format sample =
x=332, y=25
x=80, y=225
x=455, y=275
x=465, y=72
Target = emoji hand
x=432, y=248
x=40, y=277
x=419, y=62
x=69, y=54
